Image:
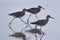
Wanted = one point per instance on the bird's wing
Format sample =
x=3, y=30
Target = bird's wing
x=31, y=9
x=42, y=22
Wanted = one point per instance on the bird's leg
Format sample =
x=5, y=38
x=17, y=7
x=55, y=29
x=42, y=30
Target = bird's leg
x=41, y=36
x=28, y=20
x=23, y=21
x=11, y=29
x=36, y=16
x=40, y=27
x=36, y=37
x=10, y=25
x=11, y=22
x=24, y=28
x=36, y=26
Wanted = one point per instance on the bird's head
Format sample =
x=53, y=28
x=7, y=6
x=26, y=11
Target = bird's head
x=40, y=7
x=50, y=17
x=24, y=9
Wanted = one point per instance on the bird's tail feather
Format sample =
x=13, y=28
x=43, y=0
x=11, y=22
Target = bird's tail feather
x=11, y=35
x=32, y=23
x=9, y=14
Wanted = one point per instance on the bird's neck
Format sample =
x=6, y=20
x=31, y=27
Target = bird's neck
x=47, y=18
x=39, y=8
x=23, y=11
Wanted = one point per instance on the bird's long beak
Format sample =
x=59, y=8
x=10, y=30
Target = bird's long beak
x=52, y=17
x=42, y=8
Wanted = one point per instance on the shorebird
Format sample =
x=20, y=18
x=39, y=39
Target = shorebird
x=36, y=31
x=34, y=10
x=18, y=14
x=42, y=22
x=18, y=35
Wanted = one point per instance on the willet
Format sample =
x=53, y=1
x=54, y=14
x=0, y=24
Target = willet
x=34, y=10
x=18, y=35
x=42, y=22
x=18, y=14
x=36, y=31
